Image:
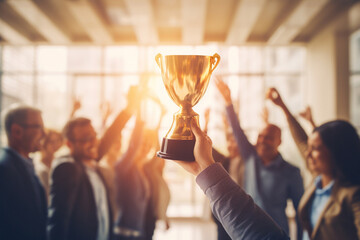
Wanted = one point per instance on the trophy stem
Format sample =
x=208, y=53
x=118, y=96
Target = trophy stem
x=187, y=111
x=179, y=142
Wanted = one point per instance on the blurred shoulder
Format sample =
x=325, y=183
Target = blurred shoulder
x=61, y=160
x=65, y=163
x=6, y=156
x=348, y=192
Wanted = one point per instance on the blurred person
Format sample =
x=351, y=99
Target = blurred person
x=23, y=207
x=107, y=162
x=160, y=192
x=80, y=205
x=330, y=207
x=236, y=164
x=132, y=187
x=268, y=178
x=237, y=212
x=160, y=195
x=138, y=188
x=51, y=143
x=106, y=168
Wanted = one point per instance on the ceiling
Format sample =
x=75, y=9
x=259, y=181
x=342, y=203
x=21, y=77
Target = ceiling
x=154, y=22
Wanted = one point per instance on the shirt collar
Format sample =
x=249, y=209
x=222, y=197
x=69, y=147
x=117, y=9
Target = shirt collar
x=326, y=190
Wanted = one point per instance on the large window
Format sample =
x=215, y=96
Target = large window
x=355, y=79
x=49, y=77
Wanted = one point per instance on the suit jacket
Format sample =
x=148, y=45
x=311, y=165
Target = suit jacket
x=340, y=218
x=73, y=211
x=23, y=207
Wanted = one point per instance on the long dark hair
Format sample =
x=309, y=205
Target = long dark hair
x=343, y=142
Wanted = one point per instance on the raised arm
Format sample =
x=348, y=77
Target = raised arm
x=114, y=130
x=207, y=119
x=307, y=115
x=134, y=145
x=298, y=133
x=245, y=147
x=76, y=105
x=237, y=212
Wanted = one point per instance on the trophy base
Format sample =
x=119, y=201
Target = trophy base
x=182, y=150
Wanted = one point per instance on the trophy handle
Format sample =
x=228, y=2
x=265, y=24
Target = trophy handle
x=158, y=59
x=212, y=60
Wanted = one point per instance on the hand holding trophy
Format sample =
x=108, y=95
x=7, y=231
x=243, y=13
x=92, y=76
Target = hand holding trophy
x=186, y=78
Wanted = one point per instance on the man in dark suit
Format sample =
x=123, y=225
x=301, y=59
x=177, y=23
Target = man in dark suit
x=80, y=204
x=23, y=207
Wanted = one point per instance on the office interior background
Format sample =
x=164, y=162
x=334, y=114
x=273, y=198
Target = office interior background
x=52, y=52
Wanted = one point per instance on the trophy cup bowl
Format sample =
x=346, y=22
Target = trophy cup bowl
x=186, y=78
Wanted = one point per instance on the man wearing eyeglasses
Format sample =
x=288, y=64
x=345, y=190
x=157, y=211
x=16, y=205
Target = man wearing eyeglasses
x=23, y=207
x=80, y=207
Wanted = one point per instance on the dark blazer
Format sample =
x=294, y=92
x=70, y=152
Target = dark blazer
x=73, y=212
x=340, y=218
x=23, y=207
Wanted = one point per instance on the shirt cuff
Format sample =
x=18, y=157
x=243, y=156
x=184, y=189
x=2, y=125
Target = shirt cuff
x=211, y=175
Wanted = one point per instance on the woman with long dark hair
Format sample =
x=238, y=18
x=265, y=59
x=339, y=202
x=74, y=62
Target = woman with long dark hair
x=329, y=208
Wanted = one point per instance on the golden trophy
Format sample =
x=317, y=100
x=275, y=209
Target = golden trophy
x=186, y=78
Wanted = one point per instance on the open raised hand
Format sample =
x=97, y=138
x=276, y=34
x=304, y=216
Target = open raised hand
x=307, y=115
x=76, y=105
x=275, y=97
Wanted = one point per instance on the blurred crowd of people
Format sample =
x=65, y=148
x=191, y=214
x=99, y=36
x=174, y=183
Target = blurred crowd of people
x=97, y=192
x=93, y=191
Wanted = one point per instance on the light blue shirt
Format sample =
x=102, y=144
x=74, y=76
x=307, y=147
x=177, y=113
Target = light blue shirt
x=321, y=197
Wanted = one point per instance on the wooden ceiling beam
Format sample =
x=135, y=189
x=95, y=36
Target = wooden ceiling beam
x=246, y=15
x=300, y=17
x=88, y=18
x=11, y=35
x=33, y=14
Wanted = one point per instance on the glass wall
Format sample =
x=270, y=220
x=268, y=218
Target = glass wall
x=355, y=79
x=51, y=77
